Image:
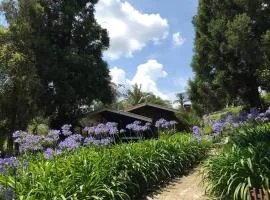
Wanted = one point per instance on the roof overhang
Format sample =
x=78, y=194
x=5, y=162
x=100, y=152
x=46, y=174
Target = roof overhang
x=123, y=113
x=150, y=105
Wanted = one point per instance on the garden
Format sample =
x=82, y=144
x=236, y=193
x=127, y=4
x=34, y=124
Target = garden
x=92, y=165
x=67, y=127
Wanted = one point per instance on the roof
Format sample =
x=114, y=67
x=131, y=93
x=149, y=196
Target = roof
x=128, y=114
x=151, y=105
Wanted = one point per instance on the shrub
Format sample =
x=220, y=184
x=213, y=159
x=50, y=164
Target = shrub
x=122, y=171
x=218, y=114
x=188, y=119
x=241, y=165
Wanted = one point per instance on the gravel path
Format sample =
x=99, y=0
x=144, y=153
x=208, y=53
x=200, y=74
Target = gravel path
x=185, y=188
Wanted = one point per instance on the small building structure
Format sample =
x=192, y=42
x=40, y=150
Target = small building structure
x=155, y=112
x=108, y=115
x=145, y=113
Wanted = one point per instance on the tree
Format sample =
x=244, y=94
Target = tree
x=151, y=98
x=19, y=86
x=230, y=48
x=136, y=96
x=204, y=97
x=67, y=44
x=181, y=98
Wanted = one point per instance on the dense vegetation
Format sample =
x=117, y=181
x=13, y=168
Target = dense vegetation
x=231, y=54
x=123, y=171
x=241, y=162
x=51, y=71
x=50, y=62
x=240, y=165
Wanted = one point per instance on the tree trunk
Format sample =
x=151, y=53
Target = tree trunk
x=253, y=95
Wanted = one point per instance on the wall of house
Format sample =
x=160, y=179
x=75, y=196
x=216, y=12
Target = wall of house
x=157, y=113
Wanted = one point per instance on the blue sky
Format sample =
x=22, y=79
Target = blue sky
x=151, y=43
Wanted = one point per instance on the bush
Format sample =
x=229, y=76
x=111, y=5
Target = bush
x=123, y=171
x=241, y=165
x=218, y=114
x=188, y=119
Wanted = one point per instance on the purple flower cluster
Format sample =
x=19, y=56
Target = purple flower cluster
x=196, y=130
x=72, y=142
x=8, y=163
x=66, y=130
x=48, y=153
x=102, y=134
x=110, y=128
x=162, y=123
x=7, y=193
x=137, y=127
x=218, y=127
x=91, y=140
x=230, y=120
x=28, y=142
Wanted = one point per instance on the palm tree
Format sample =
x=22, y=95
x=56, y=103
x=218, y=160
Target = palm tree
x=158, y=100
x=136, y=96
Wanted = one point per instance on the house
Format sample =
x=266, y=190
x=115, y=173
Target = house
x=145, y=113
x=108, y=115
x=155, y=112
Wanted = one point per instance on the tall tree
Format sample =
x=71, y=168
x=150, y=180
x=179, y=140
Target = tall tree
x=19, y=86
x=230, y=47
x=67, y=43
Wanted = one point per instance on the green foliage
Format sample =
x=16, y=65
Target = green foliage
x=67, y=45
x=204, y=97
x=136, y=96
x=124, y=171
x=231, y=58
x=38, y=126
x=224, y=111
x=19, y=86
x=241, y=165
x=188, y=119
x=181, y=98
x=266, y=98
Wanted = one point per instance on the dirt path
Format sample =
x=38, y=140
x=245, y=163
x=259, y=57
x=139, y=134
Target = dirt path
x=185, y=188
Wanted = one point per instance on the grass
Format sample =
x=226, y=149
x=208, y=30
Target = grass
x=124, y=171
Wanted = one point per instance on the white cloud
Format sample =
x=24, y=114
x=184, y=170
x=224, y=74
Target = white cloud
x=119, y=77
x=129, y=29
x=177, y=39
x=147, y=75
x=181, y=82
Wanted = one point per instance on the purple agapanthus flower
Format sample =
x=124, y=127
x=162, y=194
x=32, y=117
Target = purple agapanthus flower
x=160, y=122
x=8, y=163
x=242, y=116
x=66, y=129
x=218, y=126
x=49, y=153
x=105, y=142
x=88, y=141
x=196, y=130
x=69, y=144
x=267, y=112
x=19, y=134
x=29, y=142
